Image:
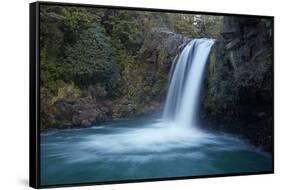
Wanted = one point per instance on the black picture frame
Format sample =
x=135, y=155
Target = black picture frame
x=34, y=94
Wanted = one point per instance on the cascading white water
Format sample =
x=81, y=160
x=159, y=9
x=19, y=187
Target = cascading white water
x=184, y=87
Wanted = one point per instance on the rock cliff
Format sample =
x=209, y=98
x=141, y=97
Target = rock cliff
x=239, y=86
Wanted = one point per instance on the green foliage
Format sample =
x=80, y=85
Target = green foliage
x=50, y=73
x=124, y=29
x=60, y=26
x=67, y=91
x=74, y=21
x=183, y=24
x=162, y=55
x=196, y=26
x=207, y=26
x=91, y=60
x=123, y=59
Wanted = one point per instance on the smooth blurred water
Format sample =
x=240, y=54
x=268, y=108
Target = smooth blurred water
x=141, y=149
x=186, y=77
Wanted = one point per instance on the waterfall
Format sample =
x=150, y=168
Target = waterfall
x=185, y=83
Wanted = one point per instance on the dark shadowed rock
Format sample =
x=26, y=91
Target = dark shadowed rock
x=240, y=81
x=97, y=91
x=230, y=28
x=249, y=49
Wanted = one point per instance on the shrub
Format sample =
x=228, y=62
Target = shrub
x=91, y=60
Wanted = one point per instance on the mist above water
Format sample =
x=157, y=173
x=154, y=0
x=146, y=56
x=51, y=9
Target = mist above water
x=142, y=143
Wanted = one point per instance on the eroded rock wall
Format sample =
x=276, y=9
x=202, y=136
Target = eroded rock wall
x=239, y=86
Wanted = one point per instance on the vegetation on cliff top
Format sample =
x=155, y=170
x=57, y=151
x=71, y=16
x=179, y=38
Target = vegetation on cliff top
x=93, y=56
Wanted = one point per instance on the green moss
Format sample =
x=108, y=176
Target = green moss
x=220, y=93
x=68, y=91
x=162, y=56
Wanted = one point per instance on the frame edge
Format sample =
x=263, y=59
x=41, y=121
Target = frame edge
x=33, y=99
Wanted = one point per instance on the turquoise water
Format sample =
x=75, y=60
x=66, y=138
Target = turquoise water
x=142, y=149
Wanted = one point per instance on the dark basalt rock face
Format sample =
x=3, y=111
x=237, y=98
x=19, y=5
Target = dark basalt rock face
x=239, y=87
x=248, y=44
x=161, y=46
